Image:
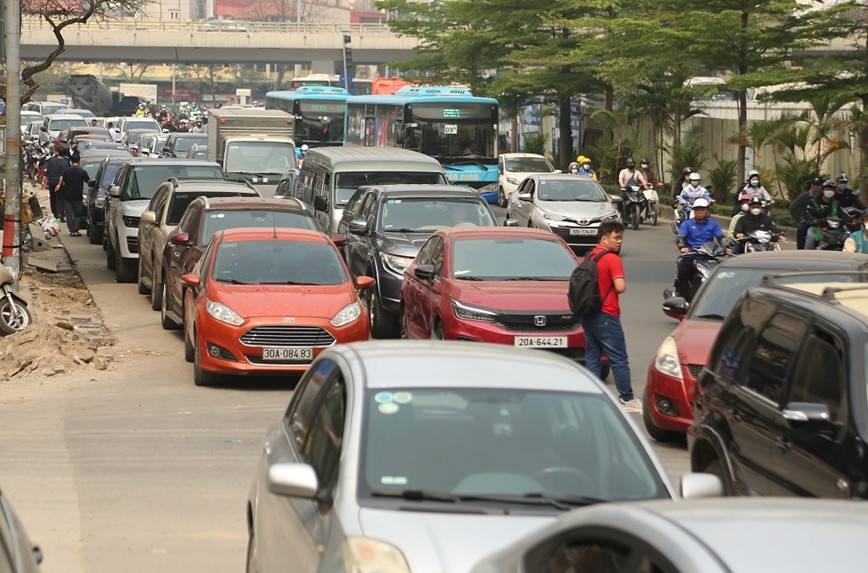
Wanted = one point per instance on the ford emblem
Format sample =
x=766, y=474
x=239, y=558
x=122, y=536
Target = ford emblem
x=288, y=319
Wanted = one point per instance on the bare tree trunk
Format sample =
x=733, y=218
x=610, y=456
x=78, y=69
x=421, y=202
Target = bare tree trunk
x=742, y=128
x=565, y=132
x=514, y=139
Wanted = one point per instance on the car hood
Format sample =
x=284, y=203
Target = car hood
x=403, y=244
x=282, y=300
x=695, y=339
x=577, y=209
x=513, y=295
x=434, y=542
x=133, y=208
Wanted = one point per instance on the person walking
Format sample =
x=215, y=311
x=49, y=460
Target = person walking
x=71, y=187
x=603, y=331
x=54, y=169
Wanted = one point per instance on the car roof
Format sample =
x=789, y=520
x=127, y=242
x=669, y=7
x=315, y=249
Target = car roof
x=560, y=177
x=514, y=155
x=804, y=260
x=458, y=233
x=849, y=295
x=451, y=364
x=425, y=191
x=353, y=158
x=157, y=161
x=252, y=202
x=277, y=233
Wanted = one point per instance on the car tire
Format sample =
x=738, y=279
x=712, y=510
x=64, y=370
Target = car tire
x=404, y=335
x=165, y=320
x=94, y=234
x=158, y=290
x=659, y=434
x=189, y=349
x=715, y=468
x=383, y=323
x=501, y=197
x=126, y=269
x=252, y=565
x=110, y=256
x=201, y=377
x=437, y=332
x=140, y=285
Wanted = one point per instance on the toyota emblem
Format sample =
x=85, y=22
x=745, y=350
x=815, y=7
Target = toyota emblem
x=583, y=221
x=539, y=321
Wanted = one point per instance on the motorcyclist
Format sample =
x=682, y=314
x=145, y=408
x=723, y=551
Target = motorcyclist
x=585, y=167
x=692, y=233
x=691, y=193
x=756, y=219
x=685, y=181
x=798, y=210
x=754, y=187
x=630, y=176
x=647, y=172
x=573, y=168
x=743, y=207
x=823, y=205
x=857, y=242
x=846, y=196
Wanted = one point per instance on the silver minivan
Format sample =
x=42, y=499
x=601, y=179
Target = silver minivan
x=330, y=175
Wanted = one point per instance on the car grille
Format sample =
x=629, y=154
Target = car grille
x=695, y=370
x=287, y=336
x=133, y=244
x=562, y=322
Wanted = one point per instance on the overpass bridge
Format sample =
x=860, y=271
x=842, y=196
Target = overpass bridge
x=189, y=42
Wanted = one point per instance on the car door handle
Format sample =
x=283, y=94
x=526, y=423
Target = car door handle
x=783, y=444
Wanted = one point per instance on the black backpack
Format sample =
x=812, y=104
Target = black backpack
x=584, y=292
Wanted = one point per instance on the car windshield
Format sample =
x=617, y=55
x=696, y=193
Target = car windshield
x=278, y=262
x=577, y=189
x=51, y=108
x=528, y=165
x=150, y=124
x=426, y=214
x=146, y=178
x=520, y=443
x=183, y=143
x=511, y=258
x=67, y=123
x=720, y=294
x=347, y=183
x=263, y=157
x=236, y=218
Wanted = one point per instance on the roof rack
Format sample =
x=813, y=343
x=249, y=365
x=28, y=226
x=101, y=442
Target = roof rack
x=176, y=180
x=829, y=292
x=770, y=279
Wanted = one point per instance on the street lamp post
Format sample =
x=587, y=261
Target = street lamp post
x=11, y=253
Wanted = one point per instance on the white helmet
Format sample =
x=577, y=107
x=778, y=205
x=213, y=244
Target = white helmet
x=700, y=203
x=694, y=176
x=304, y=147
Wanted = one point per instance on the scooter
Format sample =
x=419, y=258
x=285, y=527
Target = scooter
x=634, y=207
x=760, y=241
x=14, y=315
x=706, y=258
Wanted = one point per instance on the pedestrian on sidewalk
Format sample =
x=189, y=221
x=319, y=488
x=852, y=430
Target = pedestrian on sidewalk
x=54, y=169
x=71, y=185
x=603, y=331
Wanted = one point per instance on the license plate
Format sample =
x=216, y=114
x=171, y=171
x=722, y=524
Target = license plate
x=582, y=231
x=284, y=353
x=541, y=341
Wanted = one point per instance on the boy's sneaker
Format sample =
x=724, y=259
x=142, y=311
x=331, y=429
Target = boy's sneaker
x=631, y=405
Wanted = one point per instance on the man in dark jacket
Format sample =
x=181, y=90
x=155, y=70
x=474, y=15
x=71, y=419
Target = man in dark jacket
x=71, y=186
x=756, y=219
x=799, y=210
x=846, y=196
x=54, y=169
x=824, y=205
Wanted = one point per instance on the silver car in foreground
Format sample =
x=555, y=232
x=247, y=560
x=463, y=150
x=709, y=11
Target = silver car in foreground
x=747, y=535
x=428, y=455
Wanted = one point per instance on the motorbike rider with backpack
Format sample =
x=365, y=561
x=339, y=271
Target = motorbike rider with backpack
x=692, y=233
x=823, y=205
x=630, y=176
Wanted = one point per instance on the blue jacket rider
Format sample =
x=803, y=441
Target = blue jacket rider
x=692, y=233
x=692, y=192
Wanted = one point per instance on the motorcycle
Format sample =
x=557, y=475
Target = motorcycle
x=635, y=206
x=14, y=315
x=706, y=258
x=36, y=157
x=760, y=241
x=833, y=233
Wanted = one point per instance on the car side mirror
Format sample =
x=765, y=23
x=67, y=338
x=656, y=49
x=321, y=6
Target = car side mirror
x=424, y=272
x=320, y=203
x=338, y=239
x=191, y=280
x=525, y=196
x=114, y=191
x=144, y=151
x=675, y=307
x=180, y=239
x=358, y=227
x=363, y=282
x=292, y=480
x=806, y=413
x=148, y=218
x=694, y=485
x=510, y=223
x=557, y=171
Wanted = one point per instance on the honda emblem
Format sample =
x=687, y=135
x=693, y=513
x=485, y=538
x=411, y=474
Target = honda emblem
x=539, y=321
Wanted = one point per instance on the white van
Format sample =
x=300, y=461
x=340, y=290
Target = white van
x=330, y=175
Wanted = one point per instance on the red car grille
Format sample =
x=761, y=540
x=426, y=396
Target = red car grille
x=287, y=336
x=695, y=370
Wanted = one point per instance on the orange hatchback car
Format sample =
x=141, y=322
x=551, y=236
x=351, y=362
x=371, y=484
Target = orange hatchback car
x=268, y=301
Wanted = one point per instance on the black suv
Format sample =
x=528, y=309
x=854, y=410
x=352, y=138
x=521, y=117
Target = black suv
x=386, y=225
x=97, y=191
x=780, y=407
x=177, y=144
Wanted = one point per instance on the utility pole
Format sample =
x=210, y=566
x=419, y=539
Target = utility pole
x=348, y=60
x=11, y=253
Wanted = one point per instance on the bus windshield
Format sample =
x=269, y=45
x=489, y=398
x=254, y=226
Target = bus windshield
x=452, y=130
x=321, y=122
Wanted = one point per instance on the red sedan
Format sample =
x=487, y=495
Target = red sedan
x=493, y=284
x=266, y=301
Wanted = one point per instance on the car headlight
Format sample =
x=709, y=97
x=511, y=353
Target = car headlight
x=552, y=216
x=347, y=314
x=395, y=263
x=223, y=313
x=613, y=216
x=666, y=360
x=99, y=203
x=131, y=221
x=512, y=180
x=364, y=555
x=468, y=312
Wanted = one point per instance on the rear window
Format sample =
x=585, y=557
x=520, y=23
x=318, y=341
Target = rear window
x=347, y=183
x=146, y=178
x=234, y=219
x=278, y=262
x=178, y=203
x=184, y=142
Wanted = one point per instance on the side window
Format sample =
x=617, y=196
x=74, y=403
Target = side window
x=301, y=409
x=186, y=221
x=158, y=203
x=354, y=203
x=529, y=188
x=305, y=186
x=203, y=264
x=820, y=375
x=774, y=351
x=424, y=256
x=365, y=207
x=322, y=449
x=437, y=256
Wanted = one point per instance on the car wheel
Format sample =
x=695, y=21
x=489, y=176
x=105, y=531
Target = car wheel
x=140, y=284
x=252, y=566
x=404, y=332
x=189, y=349
x=94, y=234
x=437, y=333
x=658, y=434
x=126, y=269
x=201, y=377
x=165, y=321
x=382, y=321
x=715, y=468
x=501, y=197
x=109, y=256
x=158, y=290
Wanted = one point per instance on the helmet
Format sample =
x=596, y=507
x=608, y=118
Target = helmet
x=305, y=147
x=744, y=197
x=842, y=177
x=753, y=173
x=686, y=171
x=756, y=199
x=573, y=164
x=644, y=161
x=828, y=183
x=581, y=159
x=630, y=162
x=865, y=214
x=700, y=203
x=694, y=176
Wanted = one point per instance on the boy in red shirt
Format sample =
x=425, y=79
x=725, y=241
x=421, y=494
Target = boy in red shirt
x=603, y=330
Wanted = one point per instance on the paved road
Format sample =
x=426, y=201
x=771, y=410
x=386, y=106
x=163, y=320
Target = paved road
x=138, y=470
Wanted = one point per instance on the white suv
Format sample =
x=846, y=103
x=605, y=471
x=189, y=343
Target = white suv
x=513, y=168
x=134, y=186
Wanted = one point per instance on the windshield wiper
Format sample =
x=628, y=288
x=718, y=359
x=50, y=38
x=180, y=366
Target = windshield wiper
x=712, y=315
x=469, y=278
x=403, y=230
x=290, y=283
x=232, y=281
x=562, y=503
